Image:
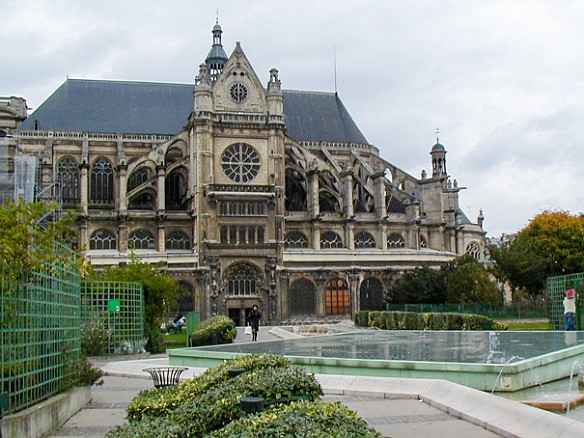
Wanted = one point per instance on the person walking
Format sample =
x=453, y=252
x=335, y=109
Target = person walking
x=570, y=308
x=253, y=320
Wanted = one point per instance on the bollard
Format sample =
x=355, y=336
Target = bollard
x=251, y=405
x=234, y=372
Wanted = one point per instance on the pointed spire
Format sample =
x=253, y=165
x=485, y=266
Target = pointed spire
x=217, y=57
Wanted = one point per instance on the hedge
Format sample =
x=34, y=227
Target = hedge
x=158, y=402
x=302, y=419
x=425, y=321
x=216, y=330
x=219, y=405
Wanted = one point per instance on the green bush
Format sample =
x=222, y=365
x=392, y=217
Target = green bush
x=301, y=419
x=213, y=409
x=216, y=330
x=427, y=321
x=159, y=402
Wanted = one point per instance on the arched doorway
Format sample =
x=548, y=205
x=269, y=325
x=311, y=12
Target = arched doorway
x=371, y=294
x=242, y=283
x=337, y=297
x=302, y=298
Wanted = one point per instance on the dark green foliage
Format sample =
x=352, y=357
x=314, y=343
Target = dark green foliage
x=86, y=374
x=160, y=402
x=211, y=409
x=301, y=419
x=216, y=330
x=420, y=285
x=160, y=294
x=155, y=341
x=428, y=321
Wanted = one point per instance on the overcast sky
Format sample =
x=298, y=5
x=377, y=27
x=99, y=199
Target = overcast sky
x=502, y=80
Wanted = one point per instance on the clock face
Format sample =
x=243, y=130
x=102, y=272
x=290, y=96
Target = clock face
x=240, y=163
x=238, y=92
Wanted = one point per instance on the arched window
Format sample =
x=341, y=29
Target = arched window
x=364, y=240
x=295, y=191
x=141, y=239
x=102, y=183
x=102, y=239
x=371, y=294
x=302, y=298
x=68, y=177
x=330, y=239
x=328, y=203
x=242, y=235
x=145, y=200
x=176, y=191
x=243, y=279
x=395, y=240
x=240, y=163
x=295, y=239
x=177, y=240
x=337, y=298
x=138, y=177
x=474, y=249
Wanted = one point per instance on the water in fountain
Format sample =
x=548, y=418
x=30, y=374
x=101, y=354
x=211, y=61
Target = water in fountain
x=570, y=384
x=511, y=359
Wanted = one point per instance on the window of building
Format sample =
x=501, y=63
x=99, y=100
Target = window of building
x=241, y=163
x=68, y=178
x=371, y=294
x=176, y=191
x=330, y=239
x=395, y=240
x=243, y=208
x=177, y=240
x=364, y=240
x=141, y=239
x=241, y=235
x=302, y=298
x=337, y=298
x=145, y=200
x=102, y=183
x=474, y=249
x=242, y=279
x=138, y=177
x=423, y=243
x=102, y=239
x=295, y=239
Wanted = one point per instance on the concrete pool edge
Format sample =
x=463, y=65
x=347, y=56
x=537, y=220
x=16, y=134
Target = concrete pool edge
x=485, y=377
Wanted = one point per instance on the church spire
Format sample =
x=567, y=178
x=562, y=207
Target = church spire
x=217, y=57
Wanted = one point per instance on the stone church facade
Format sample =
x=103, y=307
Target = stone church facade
x=247, y=194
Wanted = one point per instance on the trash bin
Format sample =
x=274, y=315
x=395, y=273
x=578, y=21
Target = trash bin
x=163, y=377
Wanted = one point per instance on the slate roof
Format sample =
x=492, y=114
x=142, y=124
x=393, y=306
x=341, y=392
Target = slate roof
x=163, y=108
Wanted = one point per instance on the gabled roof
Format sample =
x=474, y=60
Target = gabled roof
x=162, y=108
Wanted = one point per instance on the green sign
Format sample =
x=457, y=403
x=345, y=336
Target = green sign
x=113, y=305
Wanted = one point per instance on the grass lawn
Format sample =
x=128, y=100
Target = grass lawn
x=176, y=340
x=527, y=324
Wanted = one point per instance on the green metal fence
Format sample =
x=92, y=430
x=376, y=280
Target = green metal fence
x=112, y=315
x=514, y=311
x=556, y=287
x=39, y=334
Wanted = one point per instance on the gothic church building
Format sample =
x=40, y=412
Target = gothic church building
x=246, y=193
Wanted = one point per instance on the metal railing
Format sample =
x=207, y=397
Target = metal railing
x=39, y=332
x=556, y=287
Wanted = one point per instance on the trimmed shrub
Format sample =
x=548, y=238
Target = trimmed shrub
x=429, y=321
x=159, y=402
x=219, y=406
x=216, y=330
x=317, y=420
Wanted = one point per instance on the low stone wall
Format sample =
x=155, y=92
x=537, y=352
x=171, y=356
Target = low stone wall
x=47, y=416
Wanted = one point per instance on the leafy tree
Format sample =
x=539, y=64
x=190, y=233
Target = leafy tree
x=160, y=292
x=422, y=285
x=467, y=281
x=551, y=244
x=27, y=241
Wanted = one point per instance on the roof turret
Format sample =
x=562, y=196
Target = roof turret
x=217, y=57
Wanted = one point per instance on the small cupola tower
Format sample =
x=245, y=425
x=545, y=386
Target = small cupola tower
x=438, y=154
x=217, y=57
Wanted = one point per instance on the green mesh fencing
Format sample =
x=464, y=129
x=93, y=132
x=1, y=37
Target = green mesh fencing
x=39, y=335
x=112, y=318
x=556, y=287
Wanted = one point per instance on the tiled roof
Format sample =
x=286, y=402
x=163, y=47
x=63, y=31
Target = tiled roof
x=162, y=108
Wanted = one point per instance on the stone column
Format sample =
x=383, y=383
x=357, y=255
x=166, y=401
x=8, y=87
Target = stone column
x=122, y=199
x=84, y=186
x=160, y=188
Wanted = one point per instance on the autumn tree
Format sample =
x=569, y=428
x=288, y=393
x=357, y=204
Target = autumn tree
x=551, y=244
